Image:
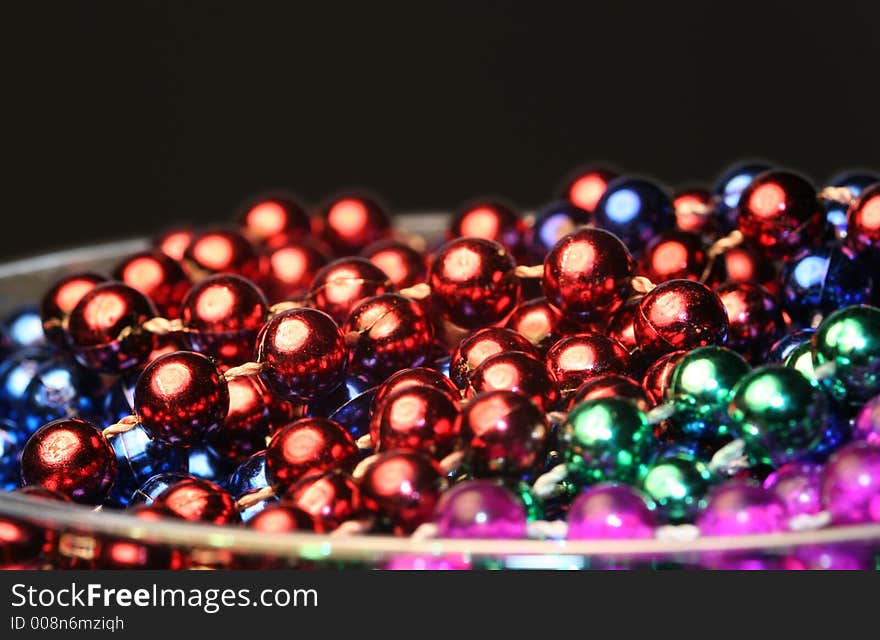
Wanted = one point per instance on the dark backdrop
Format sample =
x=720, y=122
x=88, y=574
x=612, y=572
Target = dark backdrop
x=122, y=118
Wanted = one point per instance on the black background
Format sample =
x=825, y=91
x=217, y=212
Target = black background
x=122, y=117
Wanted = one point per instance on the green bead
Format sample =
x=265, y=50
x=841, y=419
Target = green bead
x=606, y=439
x=705, y=377
x=801, y=358
x=678, y=484
x=779, y=413
x=850, y=339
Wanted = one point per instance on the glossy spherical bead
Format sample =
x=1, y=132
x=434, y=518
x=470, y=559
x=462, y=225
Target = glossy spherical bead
x=695, y=212
x=742, y=264
x=739, y=508
x=222, y=251
x=538, y=321
x=658, y=375
x=554, y=223
x=674, y=255
x=58, y=389
x=680, y=314
x=330, y=498
x=851, y=484
x=403, y=487
x=415, y=377
x=267, y=218
x=248, y=478
x=621, y=327
x=23, y=328
x=291, y=267
x=342, y=284
x=303, y=354
x=730, y=185
x=480, y=509
x=587, y=275
x=102, y=315
x=867, y=423
x=308, y=445
x=70, y=456
x=611, y=512
x=222, y=315
x=754, y=316
x=138, y=458
x=635, y=211
x=798, y=485
x=475, y=348
x=122, y=553
x=610, y=386
x=180, y=398
x=283, y=518
x=198, y=500
x=152, y=488
x=158, y=277
x=782, y=348
x=403, y=265
x=419, y=418
x=779, y=213
x=489, y=220
x=519, y=372
x=473, y=283
x=849, y=340
x=835, y=212
x=351, y=223
x=863, y=222
x=173, y=243
x=249, y=420
x=577, y=358
x=59, y=301
x=705, y=377
x=678, y=484
x=585, y=187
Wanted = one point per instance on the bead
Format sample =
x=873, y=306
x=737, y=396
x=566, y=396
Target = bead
x=730, y=185
x=222, y=315
x=60, y=300
x=850, y=339
x=72, y=457
x=695, y=212
x=798, y=485
x=635, y=211
x=415, y=377
x=410, y=562
x=173, y=243
x=863, y=222
x=61, y=388
x=537, y=321
x=783, y=347
x=835, y=212
x=24, y=328
x=489, y=220
x=742, y=264
x=779, y=413
x=678, y=484
x=419, y=418
x=282, y=518
x=12, y=440
x=222, y=251
x=123, y=553
x=351, y=223
x=480, y=509
x=475, y=348
x=138, y=458
x=844, y=557
x=674, y=255
x=779, y=213
x=158, y=277
x=403, y=265
x=108, y=311
x=705, y=377
x=266, y=218
x=303, y=354
x=867, y=423
x=620, y=326
x=331, y=498
x=505, y=435
x=552, y=224
x=586, y=186
x=349, y=405
x=656, y=380
x=851, y=484
x=249, y=420
x=739, y=508
x=308, y=445
x=801, y=358
x=610, y=386
x=203, y=461
x=473, y=283
x=198, y=500
x=404, y=487
x=342, y=284
x=387, y=333
x=577, y=358
x=587, y=275
x=611, y=512
x=680, y=314
x=250, y=477
x=519, y=372
x=152, y=488
x=180, y=398
x=291, y=267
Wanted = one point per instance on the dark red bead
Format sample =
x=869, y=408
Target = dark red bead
x=180, y=398
x=610, y=385
x=621, y=328
x=342, y=284
x=656, y=379
x=124, y=553
x=780, y=214
x=174, y=243
x=223, y=315
x=674, y=255
x=70, y=456
x=303, y=354
x=695, y=211
x=755, y=318
x=291, y=267
x=489, y=220
x=419, y=418
x=680, y=314
x=330, y=497
x=21, y=543
x=305, y=446
x=742, y=264
x=103, y=314
x=60, y=300
x=349, y=224
x=473, y=283
x=403, y=265
x=587, y=275
x=505, y=434
x=266, y=218
x=283, y=518
x=586, y=187
x=415, y=377
x=580, y=357
x=537, y=321
x=863, y=222
x=158, y=277
x=249, y=420
x=473, y=349
x=519, y=372
x=403, y=486
x=223, y=251
x=387, y=333
x=198, y=500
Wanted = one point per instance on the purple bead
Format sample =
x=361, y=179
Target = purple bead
x=480, y=509
x=841, y=557
x=851, y=484
x=410, y=562
x=740, y=508
x=798, y=485
x=611, y=511
x=867, y=424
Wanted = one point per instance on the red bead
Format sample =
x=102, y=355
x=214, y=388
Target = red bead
x=742, y=264
x=586, y=187
x=489, y=220
x=580, y=357
x=60, y=300
x=303, y=355
x=387, y=333
x=403, y=265
x=519, y=372
x=180, y=398
x=198, y=500
x=343, y=283
x=223, y=315
x=222, y=251
x=680, y=314
x=475, y=348
x=174, y=243
x=755, y=318
x=103, y=314
x=291, y=267
x=863, y=221
x=23, y=544
x=674, y=255
x=305, y=446
x=689, y=205
x=274, y=216
x=283, y=518
x=349, y=224
x=657, y=377
x=473, y=283
x=779, y=213
x=158, y=277
x=70, y=456
x=610, y=385
x=249, y=421
x=506, y=434
x=415, y=377
x=124, y=553
x=402, y=486
x=419, y=418
x=587, y=275
x=621, y=328
x=537, y=321
x=330, y=497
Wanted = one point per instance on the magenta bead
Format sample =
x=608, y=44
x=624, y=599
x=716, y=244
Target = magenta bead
x=480, y=509
x=851, y=484
x=867, y=424
x=798, y=485
x=610, y=511
x=411, y=562
x=739, y=508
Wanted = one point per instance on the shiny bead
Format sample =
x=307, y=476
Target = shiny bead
x=173, y=243
x=505, y=435
x=587, y=275
x=677, y=484
x=610, y=386
x=203, y=461
x=730, y=185
x=519, y=372
x=680, y=314
x=404, y=487
x=152, y=488
x=291, y=267
x=473, y=283
x=198, y=500
x=658, y=376
x=835, y=212
x=738, y=508
x=621, y=325
x=331, y=498
x=783, y=347
x=480, y=509
x=60, y=300
x=102, y=315
x=222, y=315
x=635, y=211
x=303, y=354
x=798, y=485
x=222, y=251
x=308, y=445
x=611, y=512
x=867, y=423
x=843, y=557
x=138, y=458
x=342, y=284
x=411, y=562
x=12, y=440
x=475, y=348
x=264, y=219
x=742, y=264
x=249, y=420
x=349, y=405
x=489, y=220
x=850, y=339
x=554, y=223
x=403, y=265
x=538, y=321
x=21, y=543
x=689, y=206
x=801, y=358
x=24, y=328
x=674, y=255
x=351, y=223
x=585, y=187
x=577, y=358
x=282, y=518
x=415, y=377
x=124, y=553
x=419, y=418
x=863, y=222
x=72, y=457
x=705, y=377
x=250, y=477
x=180, y=398
x=779, y=213
x=61, y=388
x=851, y=484
x=158, y=277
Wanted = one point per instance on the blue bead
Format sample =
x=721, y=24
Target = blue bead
x=151, y=489
x=635, y=211
x=139, y=458
x=24, y=328
x=835, y=212
x=731, y=184
x=249, y=477
x=62, y=388
x=349, y=405
x=12, y=439
x=554, y=222
x=783, y=347
x=16, y=373
x=204, y=462
x=838, y=431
